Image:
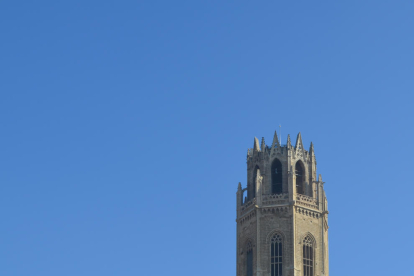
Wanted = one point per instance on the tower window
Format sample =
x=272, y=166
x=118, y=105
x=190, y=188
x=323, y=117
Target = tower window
x=308, y=257
x=249, y=259
x=277, y=177
x=299, y=172
x=276, y=255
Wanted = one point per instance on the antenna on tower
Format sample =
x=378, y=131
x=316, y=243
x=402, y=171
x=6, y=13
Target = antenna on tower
x=280, y=135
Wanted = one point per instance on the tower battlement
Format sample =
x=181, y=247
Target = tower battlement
x=277, y=148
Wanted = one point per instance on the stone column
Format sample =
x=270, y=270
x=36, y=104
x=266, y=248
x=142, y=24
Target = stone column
x=259, y=184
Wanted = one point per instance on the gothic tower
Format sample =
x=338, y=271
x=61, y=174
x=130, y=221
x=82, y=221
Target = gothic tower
x=282, y=223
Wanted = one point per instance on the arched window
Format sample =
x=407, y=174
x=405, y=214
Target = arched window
x=253, y=189
x=299, y=171
x=276, y=177
x=249, y=259
x=308, y=256
x=276, y=255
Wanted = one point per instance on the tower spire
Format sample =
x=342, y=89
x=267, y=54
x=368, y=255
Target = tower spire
x=256, y=147
x=275, y=141
x=263, y=146
x=299, y=143
x=311, y=150
x=288, y=143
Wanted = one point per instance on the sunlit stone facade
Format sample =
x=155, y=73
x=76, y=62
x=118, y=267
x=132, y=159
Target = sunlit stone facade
x=282, y=214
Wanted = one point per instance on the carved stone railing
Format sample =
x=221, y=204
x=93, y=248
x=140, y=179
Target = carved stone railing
x=248, y=205
x=307, y=201
x=275, y=199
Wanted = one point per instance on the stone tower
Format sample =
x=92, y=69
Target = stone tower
x=282, y=223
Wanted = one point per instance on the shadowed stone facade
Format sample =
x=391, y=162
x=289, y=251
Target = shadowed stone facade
x=282, y=223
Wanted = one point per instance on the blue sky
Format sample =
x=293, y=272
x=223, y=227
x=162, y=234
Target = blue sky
x=125, y=127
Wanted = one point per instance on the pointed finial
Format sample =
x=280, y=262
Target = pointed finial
x=256, y=145
x=263, y=145
x=311, y=150
x=320, y=178
x=275, y=141
x=239, y=187
x=280, y=134
x=299, y=143
x=288, y=143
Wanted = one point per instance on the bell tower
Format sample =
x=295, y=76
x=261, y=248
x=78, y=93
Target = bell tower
x=282, y=214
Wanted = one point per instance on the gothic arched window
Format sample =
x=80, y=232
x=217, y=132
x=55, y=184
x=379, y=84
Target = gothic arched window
x=308, y=256
x=249, y=259
x=299, y=172
x=276, y=255
x=277, y=177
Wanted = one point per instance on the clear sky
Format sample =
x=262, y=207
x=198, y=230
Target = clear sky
x=125, y=127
